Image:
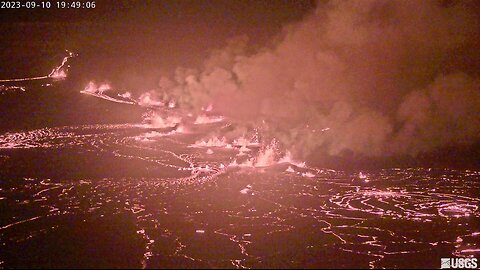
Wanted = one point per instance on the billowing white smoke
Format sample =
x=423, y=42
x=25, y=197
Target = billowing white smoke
x=446, y=112
x=372, y=77
x=150, y=99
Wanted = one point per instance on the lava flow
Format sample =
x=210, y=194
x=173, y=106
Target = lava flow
x=57, y=74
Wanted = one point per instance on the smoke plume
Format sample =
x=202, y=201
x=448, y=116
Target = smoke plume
x=370, y=77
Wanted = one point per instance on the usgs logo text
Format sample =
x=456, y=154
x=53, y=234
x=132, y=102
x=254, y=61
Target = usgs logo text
x=470, y=263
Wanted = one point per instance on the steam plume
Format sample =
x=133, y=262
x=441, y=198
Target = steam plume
x=370, y=77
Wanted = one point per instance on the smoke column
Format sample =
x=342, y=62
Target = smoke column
x=369, y=77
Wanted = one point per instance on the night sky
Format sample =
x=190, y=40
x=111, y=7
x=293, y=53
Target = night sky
x=139, y=35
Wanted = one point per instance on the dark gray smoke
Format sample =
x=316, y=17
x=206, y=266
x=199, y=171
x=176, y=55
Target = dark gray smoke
x=373, y=77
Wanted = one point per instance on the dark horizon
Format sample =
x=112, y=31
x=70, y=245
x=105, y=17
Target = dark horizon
x=161, y=35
